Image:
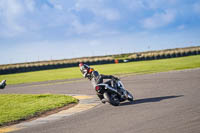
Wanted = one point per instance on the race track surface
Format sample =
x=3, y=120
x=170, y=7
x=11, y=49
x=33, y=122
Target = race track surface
x=166, y=102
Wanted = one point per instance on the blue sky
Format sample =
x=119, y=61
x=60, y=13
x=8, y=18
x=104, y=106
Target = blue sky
x=32, y=30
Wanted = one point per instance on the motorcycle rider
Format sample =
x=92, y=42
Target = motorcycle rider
x=95, y=78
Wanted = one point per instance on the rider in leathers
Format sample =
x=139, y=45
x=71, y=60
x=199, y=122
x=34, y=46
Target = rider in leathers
x=95, y=77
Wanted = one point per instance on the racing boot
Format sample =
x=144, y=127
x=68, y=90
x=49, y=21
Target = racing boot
x=103, y=100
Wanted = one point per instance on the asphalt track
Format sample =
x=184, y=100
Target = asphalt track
x=166, y=102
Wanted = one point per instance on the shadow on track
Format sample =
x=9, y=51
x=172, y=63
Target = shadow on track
x=148, y=100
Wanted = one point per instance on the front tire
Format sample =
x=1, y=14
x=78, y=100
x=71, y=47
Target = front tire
x=130, y=97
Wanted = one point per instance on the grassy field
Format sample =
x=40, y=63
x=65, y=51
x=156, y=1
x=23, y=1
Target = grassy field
x=15, y=107
x=140, y=67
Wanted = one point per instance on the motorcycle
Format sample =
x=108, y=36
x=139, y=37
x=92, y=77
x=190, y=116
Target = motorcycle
x=114, y=92
x=3, y=84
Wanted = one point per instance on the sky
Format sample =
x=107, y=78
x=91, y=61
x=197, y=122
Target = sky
x=37, y=30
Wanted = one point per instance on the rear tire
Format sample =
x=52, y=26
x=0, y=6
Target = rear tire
x=112, y=101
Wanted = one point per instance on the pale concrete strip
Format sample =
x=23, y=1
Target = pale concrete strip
x=81, y=97
x=9, y=129
x=85, y=102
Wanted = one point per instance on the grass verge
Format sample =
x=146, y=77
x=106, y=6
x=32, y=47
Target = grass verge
x=16, y=107
x=140, y=67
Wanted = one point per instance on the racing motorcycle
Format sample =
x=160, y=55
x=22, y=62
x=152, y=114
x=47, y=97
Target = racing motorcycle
x=114, y=92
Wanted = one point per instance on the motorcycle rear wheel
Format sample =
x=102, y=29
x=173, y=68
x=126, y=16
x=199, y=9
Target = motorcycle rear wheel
x=111, y=100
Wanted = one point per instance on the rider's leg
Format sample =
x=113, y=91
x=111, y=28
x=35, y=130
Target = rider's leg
x=101, y=97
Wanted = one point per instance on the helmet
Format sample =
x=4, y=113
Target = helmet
x=80, y=64
x=86, y=70
x=83, y=67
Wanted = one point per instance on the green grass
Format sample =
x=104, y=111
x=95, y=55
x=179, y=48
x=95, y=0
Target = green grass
x=21, y=106
x=140, y=67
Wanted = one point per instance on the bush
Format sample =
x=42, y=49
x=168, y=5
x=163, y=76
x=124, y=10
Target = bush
x=178, y=54
x=189, y=53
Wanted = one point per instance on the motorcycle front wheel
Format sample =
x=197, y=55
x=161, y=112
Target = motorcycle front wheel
x=130, y=97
